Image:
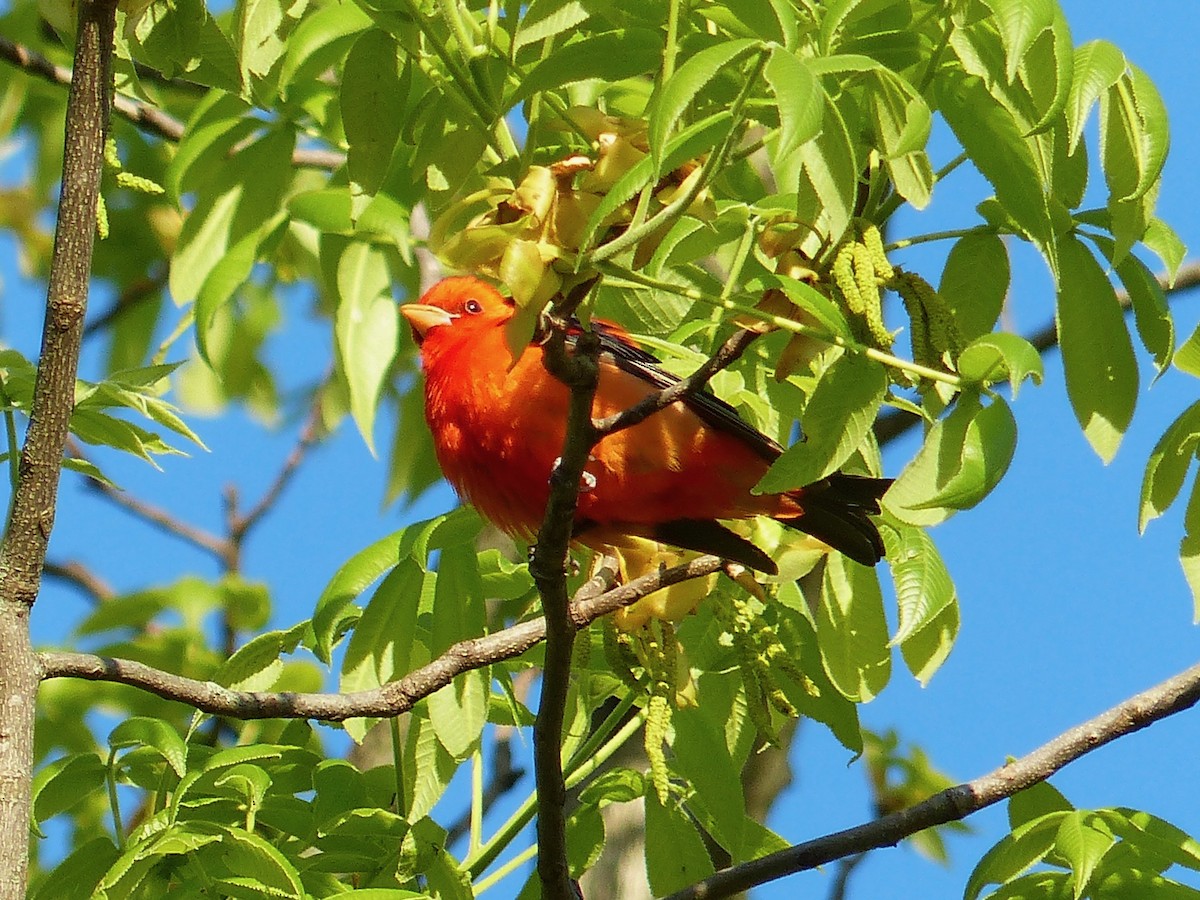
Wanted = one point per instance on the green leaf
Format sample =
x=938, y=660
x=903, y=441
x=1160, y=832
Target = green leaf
x=1020, y=22
x=798, y=95
x=380, y=649
x=675, y=854
x=1082, y=846
x=263, y=27
x=923, y=586
x=827, y=186
x=963, y=458
x=975, y=282
x=1102, y=376
x=79, y=874
x=156, y=734
x=996, y=145
x=902, y=121
x=316, y=37
x=233, y=215
x=547, y=18
x=929, y=647
x=67, y=781
x=1168, y=465
x=265, y=866
x=1148, y=832
x=1098, y=66
x=1187, y=357
x=826, y=313
x=611, y=56
x=256, y=665
x=458, y=711
x=372, y=101
x=1028, y=806
x=367, y=329
x=1163, y=240
x=681, y=89
x=837, y=418
x=1012, y=856
x=998, y=355
x=852, y=630
x=700, y=755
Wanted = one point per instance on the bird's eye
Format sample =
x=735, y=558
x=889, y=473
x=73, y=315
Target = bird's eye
x=474, y=307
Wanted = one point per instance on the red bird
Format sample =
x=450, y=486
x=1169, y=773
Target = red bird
x=498, y=431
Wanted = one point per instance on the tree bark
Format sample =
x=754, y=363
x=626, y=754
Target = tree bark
x=31, y=517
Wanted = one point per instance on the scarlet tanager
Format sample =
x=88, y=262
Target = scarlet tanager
x=498, y=430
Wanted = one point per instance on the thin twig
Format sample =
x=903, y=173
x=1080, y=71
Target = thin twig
x=156, y=515
x=135, y=293
x=726, y=355
x=391, y=699
x=241, y=524
x=145, y=116
x=1166, y=699
x=81, y=577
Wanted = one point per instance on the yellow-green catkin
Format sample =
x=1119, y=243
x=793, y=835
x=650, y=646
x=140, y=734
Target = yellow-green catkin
x=139, y=184
x=660, y=649
x=935, y=335
x=620, y=656
x=101, y=218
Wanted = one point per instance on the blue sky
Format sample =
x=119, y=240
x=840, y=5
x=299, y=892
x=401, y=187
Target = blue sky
x=1065, y=610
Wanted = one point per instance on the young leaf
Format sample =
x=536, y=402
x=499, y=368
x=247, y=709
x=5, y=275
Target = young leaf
x=975, y=282
x=372, y=103
x=1020, y=22
x=799, y=96
x=1102, y=376
x=156, y=734
x=852, y=630
x=611, y=56
x=684, y=84
x=997, y=147
x=1168, y=465
x=1098, y=66
x=923, y=586
x=998, y=355
x=367, y=329
x=675, y=854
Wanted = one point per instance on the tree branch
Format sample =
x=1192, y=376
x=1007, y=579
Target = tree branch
x=592, y=602
x=1166, y=699
x=145, y=116
x=727, y=354
x=890, y=426
x=580, y=372
x=31, y=515
x=81, y=577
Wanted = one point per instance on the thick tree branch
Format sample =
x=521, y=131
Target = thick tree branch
x=890, y=426
x=580, y=372
x=145, y=116
x=392, y=699
x=1166, y=699
x=31, y=516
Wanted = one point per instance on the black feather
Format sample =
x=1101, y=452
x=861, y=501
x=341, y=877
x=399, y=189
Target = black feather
x=710, y=536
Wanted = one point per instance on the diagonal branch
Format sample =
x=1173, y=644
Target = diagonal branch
x=1172, y=696
x=591, y=602
x=727, y=354
x=145, y=116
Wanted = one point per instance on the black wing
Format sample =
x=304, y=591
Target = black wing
x=712, y=410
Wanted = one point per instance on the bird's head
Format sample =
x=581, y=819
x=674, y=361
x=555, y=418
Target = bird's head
x=457, y=307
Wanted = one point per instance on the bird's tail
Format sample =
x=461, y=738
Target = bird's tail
x=837, y=510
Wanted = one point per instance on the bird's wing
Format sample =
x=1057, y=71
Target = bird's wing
x=617, y=346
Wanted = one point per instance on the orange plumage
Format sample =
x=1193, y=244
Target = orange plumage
x=498, y=430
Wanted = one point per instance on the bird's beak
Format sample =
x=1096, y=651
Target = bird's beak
x=422, y=317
